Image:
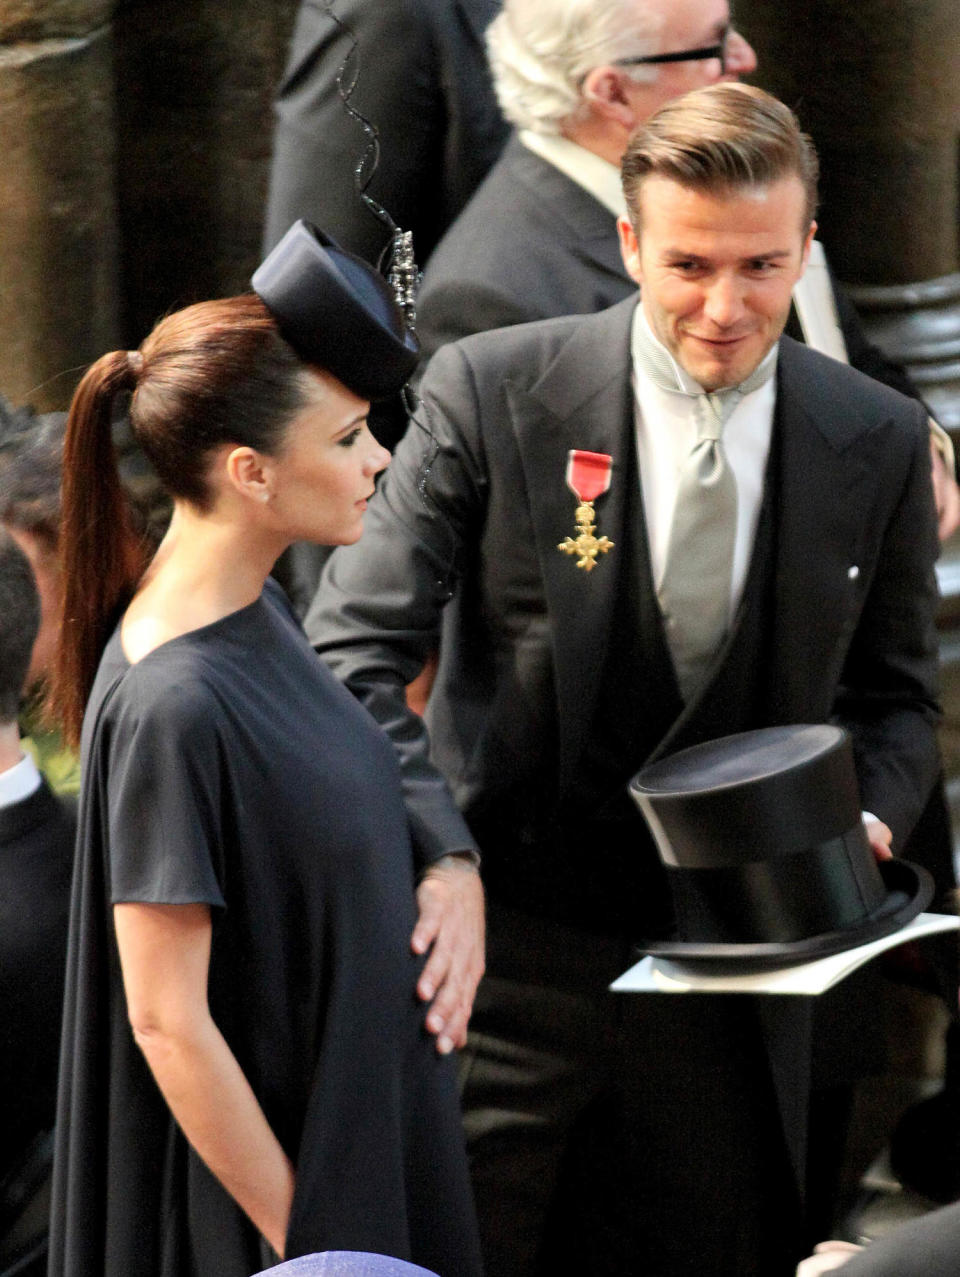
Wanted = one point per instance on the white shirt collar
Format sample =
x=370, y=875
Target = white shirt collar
x=685, y=383
x=665, y=433
x=816, y=306
x=597, y=176
x=19, y=782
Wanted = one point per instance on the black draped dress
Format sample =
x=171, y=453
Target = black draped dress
x=229, y=767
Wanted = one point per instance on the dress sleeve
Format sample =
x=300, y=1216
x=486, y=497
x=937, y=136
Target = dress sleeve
x=163, y=793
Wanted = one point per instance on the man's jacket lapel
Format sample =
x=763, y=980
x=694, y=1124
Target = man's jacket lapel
x=826, y=490
x=582, y=401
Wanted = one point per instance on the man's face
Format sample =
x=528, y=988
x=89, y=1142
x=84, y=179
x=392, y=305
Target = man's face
x=691, y=24
x=716, y=271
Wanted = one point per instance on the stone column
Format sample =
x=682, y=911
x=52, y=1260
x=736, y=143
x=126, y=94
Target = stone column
x=195, y=81
x=877, y=84
x=57, y=208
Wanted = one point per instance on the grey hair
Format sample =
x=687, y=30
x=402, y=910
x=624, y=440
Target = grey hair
x=540, y=51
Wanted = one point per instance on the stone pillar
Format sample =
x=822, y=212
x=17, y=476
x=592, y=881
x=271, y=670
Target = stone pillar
x=57, y=208
x=195, y=81
x=876, y=83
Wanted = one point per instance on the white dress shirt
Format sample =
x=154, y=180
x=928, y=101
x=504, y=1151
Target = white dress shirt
x=666, y=431
x=597, y=176
x=19, y=782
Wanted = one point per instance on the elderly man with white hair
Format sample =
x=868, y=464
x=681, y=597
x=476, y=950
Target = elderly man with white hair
x=539, y=237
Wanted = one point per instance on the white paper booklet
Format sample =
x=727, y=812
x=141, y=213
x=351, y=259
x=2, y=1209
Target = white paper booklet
x=661, y=975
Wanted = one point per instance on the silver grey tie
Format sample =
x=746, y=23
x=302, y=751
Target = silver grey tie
x=695, y=593
x=696, y=587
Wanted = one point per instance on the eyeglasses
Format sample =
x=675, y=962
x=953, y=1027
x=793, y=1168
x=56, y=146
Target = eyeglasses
x=686, y=55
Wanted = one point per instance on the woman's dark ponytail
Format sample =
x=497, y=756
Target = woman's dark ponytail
x=101, y=557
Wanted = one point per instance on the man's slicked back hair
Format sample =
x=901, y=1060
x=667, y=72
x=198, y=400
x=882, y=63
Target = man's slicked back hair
x=724, y=138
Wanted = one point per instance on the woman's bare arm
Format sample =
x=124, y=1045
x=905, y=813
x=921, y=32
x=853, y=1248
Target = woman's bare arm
x=165, y=958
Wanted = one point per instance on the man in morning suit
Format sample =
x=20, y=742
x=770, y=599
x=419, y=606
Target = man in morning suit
x=538, y=238
x=639, y=1135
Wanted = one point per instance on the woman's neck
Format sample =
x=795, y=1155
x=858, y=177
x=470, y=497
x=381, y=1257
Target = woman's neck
x=204, y=569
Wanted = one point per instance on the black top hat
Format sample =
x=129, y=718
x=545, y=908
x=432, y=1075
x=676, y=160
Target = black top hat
x=763, y=841
x=336, y=311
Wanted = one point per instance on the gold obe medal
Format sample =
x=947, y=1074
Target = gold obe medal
x=588, y=477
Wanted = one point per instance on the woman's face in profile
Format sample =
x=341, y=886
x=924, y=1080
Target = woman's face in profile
x=324, y=472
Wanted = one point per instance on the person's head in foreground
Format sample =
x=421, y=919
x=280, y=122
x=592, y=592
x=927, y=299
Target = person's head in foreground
x=721, y=188
x=19, y=622
x=30, y=458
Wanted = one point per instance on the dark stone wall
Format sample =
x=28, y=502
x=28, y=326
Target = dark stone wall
x=135, y=138
x=58, y=231
x=28, y=20
x=877, y=84
x=194, y=83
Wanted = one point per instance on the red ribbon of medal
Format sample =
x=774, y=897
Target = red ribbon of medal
x=588, y=477
x=588, y=473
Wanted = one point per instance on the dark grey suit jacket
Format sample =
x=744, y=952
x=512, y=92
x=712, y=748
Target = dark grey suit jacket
x=465, y=537
x=423, y=83
x=36, y=862
x=524, y=631
x=531, y=244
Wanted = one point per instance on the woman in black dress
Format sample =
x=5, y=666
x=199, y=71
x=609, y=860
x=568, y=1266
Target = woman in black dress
x=244, y=896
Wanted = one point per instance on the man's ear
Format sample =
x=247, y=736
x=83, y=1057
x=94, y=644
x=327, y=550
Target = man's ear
x=806, y=246
x=604, y=89
x=629, y=248
x=250, y=473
